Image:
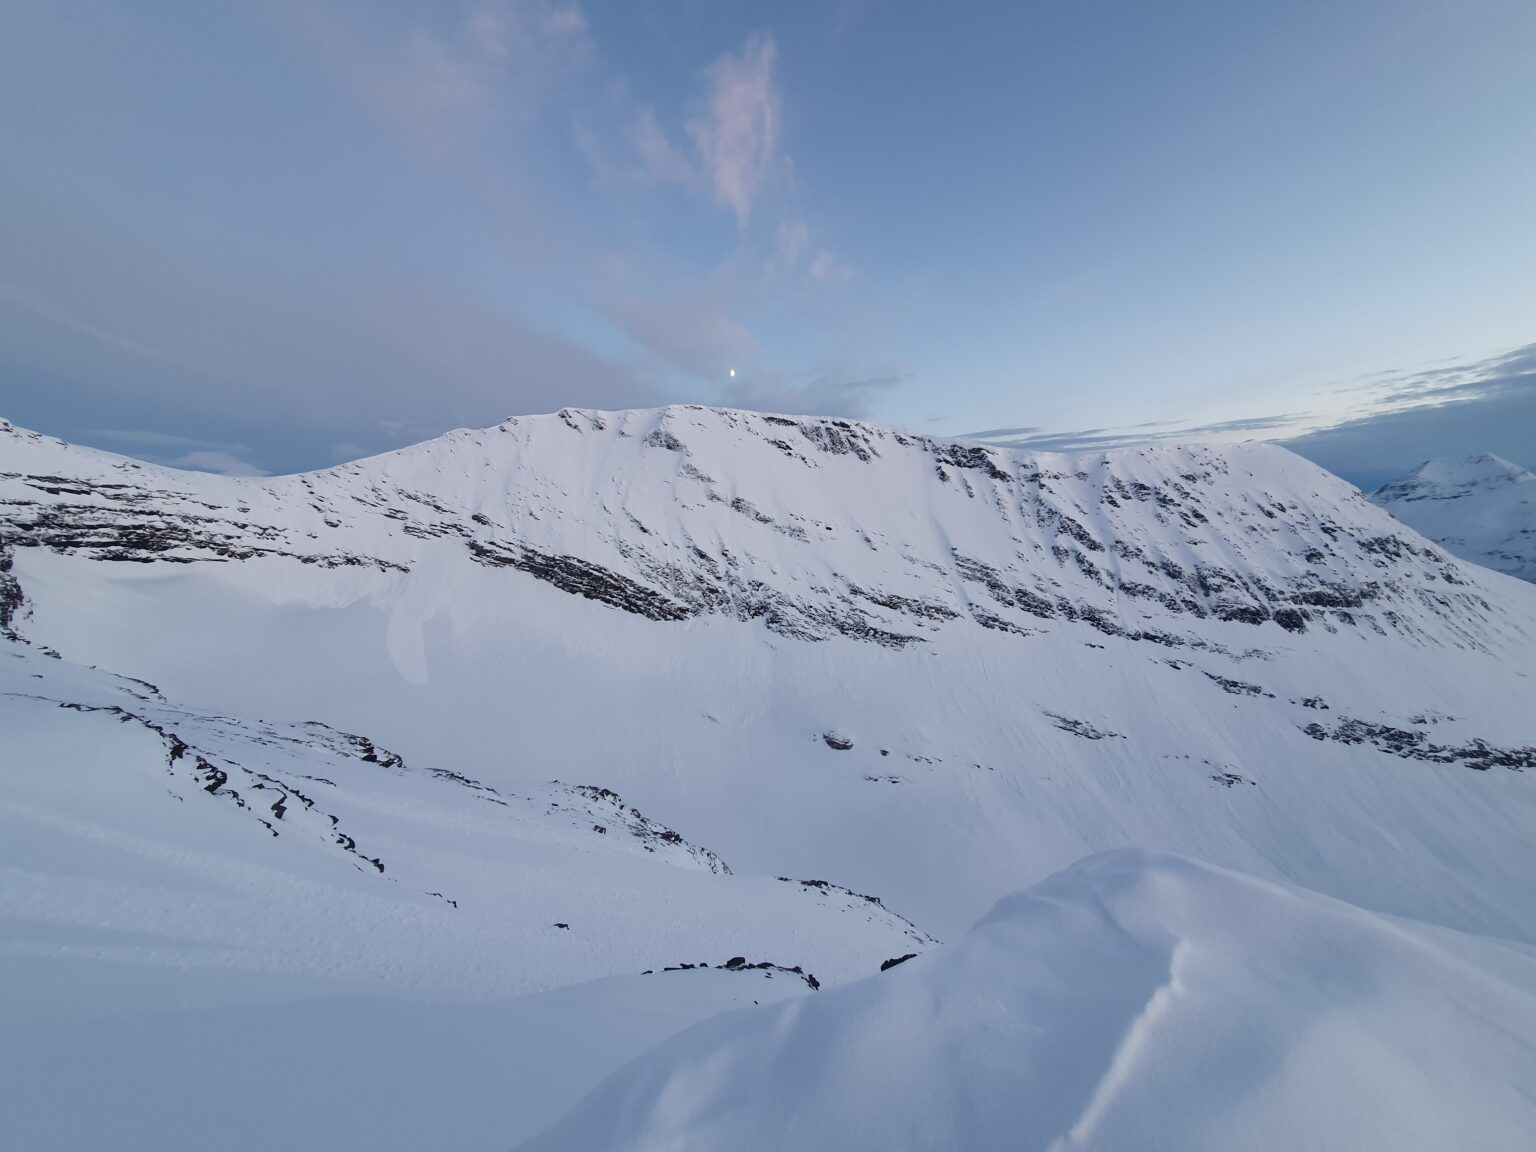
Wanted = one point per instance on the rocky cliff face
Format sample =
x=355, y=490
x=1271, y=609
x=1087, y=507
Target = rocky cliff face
x=815, y=528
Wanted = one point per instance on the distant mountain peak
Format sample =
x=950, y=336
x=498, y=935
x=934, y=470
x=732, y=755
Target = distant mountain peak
x=1482, y=508
x=1484, y=467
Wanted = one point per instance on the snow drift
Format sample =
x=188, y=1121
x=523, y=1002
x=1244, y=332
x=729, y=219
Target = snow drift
x=1134, y=1001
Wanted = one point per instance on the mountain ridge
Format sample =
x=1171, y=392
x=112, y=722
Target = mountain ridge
x=1069, y=515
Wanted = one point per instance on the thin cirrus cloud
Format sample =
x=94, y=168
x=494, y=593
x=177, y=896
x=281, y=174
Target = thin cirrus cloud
x=407, y=240
x=454, y=81
x=792, y=240
x=660, y=161
x=1094, y=439
x=685, y=330
x=176, y=451
x=1394, y=421
x=496, y=64
x=734, y=131
x=730, y=151
x=793, y=255
x=830, y=392
x=824, y=266
x=213, y=460
x=1462, y=408
x=53, y=315
x=737, y=132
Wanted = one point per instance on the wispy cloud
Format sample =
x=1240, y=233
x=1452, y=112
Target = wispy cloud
x=1393, y=421
x=145, y=438
x=450, y=69
x=733, y=137
x=636, y=149
x=452, y=264
x=1448, y=382
x=1476, y=405
x=793, y=256
x=827, y=393
x=224, y=463
x=20, y=298
x=1094, y=439
x=737, y=130
x=180, y=451
x=660, y=161
x=688, y=330
x=791, y=241
x=826, y=267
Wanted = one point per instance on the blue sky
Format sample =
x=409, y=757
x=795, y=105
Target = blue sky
x=278, y=234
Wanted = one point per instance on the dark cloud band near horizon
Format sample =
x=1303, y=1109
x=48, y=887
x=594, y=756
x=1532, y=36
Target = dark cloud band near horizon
x=1457, y=409
x=1089, y=439
x=1460, y=408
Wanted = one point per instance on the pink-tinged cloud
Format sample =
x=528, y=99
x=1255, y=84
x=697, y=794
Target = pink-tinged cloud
x=687, y=331
x=737, y=131
x=824, y=266
x=481, y=66
x=660, y=162
x=793, y=239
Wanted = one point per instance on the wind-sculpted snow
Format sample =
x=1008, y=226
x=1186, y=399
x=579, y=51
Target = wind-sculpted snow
x=1134, y=1001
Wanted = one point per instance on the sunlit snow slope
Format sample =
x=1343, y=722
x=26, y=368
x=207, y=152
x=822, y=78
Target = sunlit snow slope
x=593, y=694
x=1481, y=508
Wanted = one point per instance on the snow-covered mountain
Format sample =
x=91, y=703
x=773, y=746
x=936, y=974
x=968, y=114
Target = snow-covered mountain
x=475, y=754
x=1480, y=508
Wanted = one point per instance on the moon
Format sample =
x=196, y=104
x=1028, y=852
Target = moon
x=733, y=373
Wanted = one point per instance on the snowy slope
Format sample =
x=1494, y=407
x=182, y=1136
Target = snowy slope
x=1481, y=508
x=377, y=945
x=860, y=684
x=292, y=823
x=1135, y=1001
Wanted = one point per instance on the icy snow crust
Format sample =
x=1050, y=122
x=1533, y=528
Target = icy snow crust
x=1481, y=508
x=425, y=759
